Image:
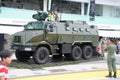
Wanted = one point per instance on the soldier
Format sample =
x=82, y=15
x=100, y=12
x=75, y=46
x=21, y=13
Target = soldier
x=111, y=58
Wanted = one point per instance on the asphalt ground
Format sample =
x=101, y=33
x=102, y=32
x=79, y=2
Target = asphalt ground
x=86, y=75
x=96, y=70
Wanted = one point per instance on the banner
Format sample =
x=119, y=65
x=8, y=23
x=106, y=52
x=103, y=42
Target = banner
x=92, y=10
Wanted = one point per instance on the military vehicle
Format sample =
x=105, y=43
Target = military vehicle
x=39, y=39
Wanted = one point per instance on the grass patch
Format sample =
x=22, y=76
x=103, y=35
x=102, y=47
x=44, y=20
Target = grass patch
x=32, y=65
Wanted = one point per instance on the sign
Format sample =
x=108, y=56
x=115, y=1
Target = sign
x=14, y=21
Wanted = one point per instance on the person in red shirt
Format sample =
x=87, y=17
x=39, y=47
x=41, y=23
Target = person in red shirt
x=6, y=58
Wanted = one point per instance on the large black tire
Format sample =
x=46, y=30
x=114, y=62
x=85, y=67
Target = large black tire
x=87, y=52
x=76, y=53
x=41, y=55
x=21, y=56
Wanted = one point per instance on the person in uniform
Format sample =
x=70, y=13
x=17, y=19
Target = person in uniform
x=110, y=46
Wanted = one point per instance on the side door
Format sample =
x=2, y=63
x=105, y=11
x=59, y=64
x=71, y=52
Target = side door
x=51, y=34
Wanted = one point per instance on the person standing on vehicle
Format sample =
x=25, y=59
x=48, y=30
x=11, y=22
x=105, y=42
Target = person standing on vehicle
x=56, y=16
x=51, y=16
x=110, y=46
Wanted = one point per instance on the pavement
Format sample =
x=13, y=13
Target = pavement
x=90, y=75
x=95, y=70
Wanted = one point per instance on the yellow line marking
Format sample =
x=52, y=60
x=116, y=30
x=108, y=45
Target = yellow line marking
x=71, y=76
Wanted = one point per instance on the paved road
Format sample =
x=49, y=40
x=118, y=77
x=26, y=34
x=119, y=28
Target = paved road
x=87, y=75
x=95, y=70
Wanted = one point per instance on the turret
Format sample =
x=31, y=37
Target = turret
x=40, y=16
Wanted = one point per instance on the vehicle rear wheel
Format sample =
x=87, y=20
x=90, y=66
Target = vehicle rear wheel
x=21, y=56
x=41, y=55
x=76, y=53
x=87, y=52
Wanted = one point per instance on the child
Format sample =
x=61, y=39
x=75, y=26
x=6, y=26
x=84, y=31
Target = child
x=5, y=59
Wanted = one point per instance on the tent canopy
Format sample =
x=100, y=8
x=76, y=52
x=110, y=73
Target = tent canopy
x=114, y=34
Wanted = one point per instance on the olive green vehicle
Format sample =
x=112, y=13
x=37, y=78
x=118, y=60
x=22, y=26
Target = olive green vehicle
x=43, y=38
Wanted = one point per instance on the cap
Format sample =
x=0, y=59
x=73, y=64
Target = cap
x=5, y=53
x=111, y=39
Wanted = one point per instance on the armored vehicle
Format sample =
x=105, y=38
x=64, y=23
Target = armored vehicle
x=40, y=39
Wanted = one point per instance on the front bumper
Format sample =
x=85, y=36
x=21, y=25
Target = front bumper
x=23, y=47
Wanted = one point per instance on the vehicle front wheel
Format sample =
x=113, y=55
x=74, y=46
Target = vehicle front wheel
x=41, y=55
x=21, y=56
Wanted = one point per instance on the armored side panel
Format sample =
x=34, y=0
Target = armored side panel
x=76, y=32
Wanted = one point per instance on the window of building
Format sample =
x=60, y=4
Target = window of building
x=99, y=10
x=115, y=12
x=24, y=4
x=85, y=8
x=66, y=6
x=118, y=12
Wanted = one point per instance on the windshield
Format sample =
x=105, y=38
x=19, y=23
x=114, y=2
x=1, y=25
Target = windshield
x=34, y=25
